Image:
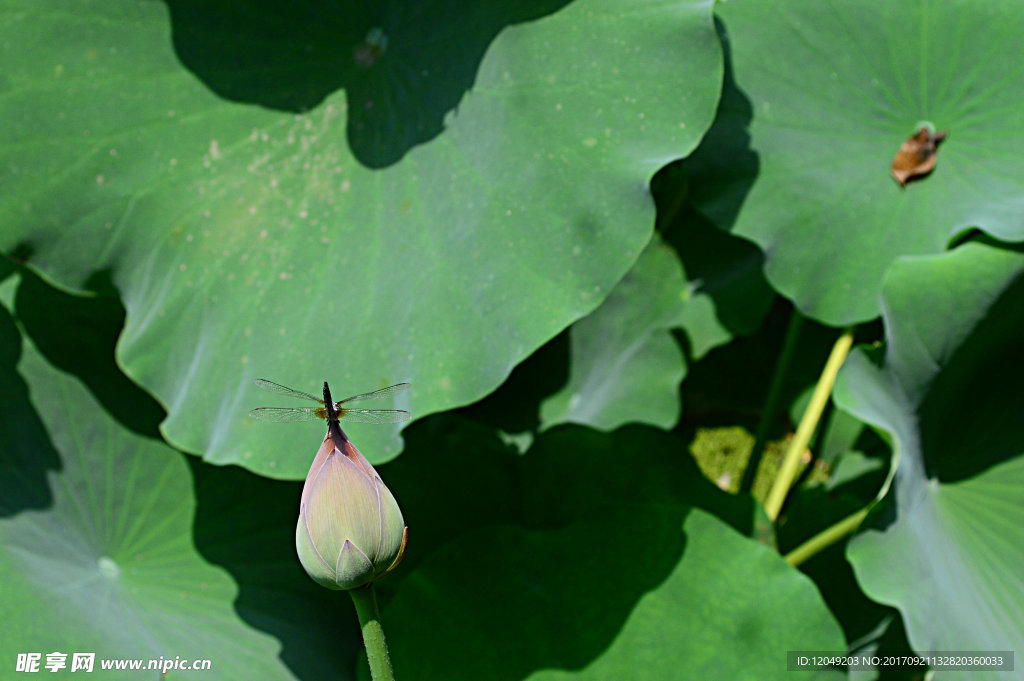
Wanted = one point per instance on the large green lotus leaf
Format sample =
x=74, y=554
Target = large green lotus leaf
x=109, y=544
x=629, y=592
x=821, y=97
x=310, y=191
x=948, y=551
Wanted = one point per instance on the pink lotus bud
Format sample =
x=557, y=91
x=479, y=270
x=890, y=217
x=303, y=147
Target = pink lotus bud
x=350, y=530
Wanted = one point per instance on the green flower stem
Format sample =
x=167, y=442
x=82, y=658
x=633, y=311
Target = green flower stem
x=825, y=538
x=809, y=422
x=771, y=405
x=365, y=600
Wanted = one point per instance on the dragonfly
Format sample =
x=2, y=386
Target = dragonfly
x=334, y=412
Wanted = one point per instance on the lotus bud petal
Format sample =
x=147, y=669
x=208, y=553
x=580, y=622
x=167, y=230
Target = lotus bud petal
x=350, y=530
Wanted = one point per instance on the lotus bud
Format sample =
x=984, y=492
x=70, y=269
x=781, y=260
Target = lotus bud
x=350, y=530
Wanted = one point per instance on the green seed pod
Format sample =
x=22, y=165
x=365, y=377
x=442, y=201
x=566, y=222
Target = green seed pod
x=350, y=530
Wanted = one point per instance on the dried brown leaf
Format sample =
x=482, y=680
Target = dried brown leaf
x=916, y=156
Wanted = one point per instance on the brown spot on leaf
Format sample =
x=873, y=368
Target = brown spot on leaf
x=916, y=156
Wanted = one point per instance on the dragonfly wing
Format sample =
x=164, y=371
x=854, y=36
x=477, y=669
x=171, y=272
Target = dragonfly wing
x=375, y=415
x=279, y=389
x=383, y=392
x=286, y=414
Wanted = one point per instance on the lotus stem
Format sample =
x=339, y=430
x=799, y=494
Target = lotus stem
x=825, y=538
x=365, y=600
x=809, y=422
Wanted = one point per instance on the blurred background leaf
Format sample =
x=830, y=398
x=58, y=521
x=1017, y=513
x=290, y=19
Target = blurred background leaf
x=946, y=548
x=799, y=164
x=626, y=366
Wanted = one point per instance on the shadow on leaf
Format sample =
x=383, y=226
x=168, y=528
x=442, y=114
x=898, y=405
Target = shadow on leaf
x=27, y=454
x=723, y=167
x=971, y=417
x=78, y=334
x=404, y=66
